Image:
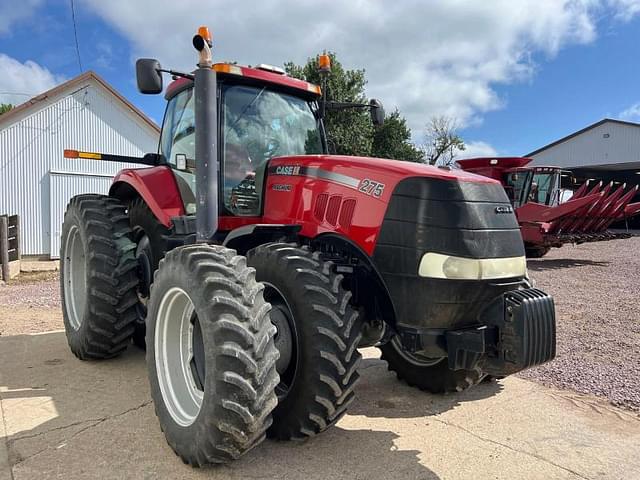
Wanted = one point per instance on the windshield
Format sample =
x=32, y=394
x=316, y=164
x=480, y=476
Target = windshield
x=542, y=188
x=260, y=124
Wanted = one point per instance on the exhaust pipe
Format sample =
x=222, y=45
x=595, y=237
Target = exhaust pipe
x=205, y=92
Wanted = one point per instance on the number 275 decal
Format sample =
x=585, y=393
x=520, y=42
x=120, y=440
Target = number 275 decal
x=371, y=187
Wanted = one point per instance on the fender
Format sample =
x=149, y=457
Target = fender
x=156, y=186
x=371, y=285
x=243, y=239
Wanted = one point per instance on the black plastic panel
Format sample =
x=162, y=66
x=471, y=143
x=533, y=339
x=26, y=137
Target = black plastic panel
x=452, y=218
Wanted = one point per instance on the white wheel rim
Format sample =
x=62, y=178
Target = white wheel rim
x=173, y=348
x=75, y=271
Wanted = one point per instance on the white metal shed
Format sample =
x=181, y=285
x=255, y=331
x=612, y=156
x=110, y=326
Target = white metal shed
x=36, y=181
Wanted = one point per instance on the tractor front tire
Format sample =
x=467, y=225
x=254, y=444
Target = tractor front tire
x=429, y=375
x=211, y=358
x=98, y=277
x=151, y=245
x=318, y=336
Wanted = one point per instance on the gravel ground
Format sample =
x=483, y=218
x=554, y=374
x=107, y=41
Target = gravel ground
x=31, y=304
x=597, y=293
x=596, y=288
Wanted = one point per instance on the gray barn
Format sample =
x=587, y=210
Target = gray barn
x=36, y=181
x=608, y=150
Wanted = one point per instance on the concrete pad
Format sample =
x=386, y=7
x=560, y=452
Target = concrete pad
x=70, y=419
x=39, y=265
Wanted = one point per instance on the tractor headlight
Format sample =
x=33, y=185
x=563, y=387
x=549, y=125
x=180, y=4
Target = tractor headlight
x=437, y=265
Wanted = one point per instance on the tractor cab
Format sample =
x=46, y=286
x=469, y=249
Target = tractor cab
x=262, y=114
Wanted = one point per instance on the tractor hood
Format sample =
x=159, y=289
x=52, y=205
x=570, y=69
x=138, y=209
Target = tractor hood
x=355, y=196
x=352, y=170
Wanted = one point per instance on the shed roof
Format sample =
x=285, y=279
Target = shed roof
x=33, y=103
x=579, y=132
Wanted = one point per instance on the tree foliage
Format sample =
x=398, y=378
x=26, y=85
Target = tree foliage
x=350, y=131
x=442, y=140
x=393, y=140
x=5, y=107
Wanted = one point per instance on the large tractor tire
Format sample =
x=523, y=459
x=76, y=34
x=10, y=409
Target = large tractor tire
x=431, y=375
x=318, y=336
x=211, y=358
x=151, y=245
x=98, y=278
x=532, y=251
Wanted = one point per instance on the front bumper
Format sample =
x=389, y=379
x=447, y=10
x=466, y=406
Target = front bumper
x=517, y=330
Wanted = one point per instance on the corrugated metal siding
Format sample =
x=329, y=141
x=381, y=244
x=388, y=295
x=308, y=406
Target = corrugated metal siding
x=593, y=147
x=88, y=119
x=63, y=186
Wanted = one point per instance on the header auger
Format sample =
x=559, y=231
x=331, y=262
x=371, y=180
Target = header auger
x=253, y=265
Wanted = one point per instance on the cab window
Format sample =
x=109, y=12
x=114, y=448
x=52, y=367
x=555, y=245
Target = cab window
x=259, y=124
x=178, y=145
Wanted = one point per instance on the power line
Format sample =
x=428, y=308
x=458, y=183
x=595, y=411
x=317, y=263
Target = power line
x=75, y=34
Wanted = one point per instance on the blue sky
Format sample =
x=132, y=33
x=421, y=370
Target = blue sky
x=516, y=75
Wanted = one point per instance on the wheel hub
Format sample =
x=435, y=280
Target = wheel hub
x=74, y=272
x=413, y=358
x=285, y=339
x=179, y=355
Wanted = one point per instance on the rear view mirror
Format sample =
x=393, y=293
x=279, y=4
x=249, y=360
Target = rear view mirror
x=148, y=75
x=377, y=112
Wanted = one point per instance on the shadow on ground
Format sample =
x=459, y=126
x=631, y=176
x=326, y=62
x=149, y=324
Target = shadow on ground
x=96, y=418
x=542, y=264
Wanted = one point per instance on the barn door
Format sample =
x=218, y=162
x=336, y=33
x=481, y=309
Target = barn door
x=63, y=186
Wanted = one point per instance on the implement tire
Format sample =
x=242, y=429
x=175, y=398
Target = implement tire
x=318, y=336
x=210, y=354
x=98, y=278
x=151, y=245
x=431, y=376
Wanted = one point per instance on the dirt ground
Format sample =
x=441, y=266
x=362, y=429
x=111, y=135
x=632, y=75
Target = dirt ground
x=596, y=288
x=62, y=418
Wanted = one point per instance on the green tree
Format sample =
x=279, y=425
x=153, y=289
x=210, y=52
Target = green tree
x=5, y=107
x=393, y=140
x=350, y=131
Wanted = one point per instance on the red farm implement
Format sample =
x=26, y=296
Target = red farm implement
x=550, y=214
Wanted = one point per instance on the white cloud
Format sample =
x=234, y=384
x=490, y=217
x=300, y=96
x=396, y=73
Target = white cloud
x=632, y=113
x=426, y=58
x=20, y=81
x=14, y=11
x=476, y=149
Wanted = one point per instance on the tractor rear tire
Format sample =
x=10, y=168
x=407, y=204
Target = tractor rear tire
x=311, y=309
x=434, y=376
x=211, y=358
x=151, y=245
x=98, y=277
x=536, y=252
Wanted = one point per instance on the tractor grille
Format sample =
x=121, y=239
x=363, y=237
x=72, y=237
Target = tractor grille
x=334, y=210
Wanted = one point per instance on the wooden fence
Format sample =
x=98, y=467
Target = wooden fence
x=9, y=245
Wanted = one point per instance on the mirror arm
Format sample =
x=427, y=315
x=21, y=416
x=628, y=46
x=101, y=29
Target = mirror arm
x=345, y=105
x=176, y=73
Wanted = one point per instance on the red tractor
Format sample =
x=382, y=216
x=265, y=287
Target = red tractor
x=256, y=265
x=550, y=211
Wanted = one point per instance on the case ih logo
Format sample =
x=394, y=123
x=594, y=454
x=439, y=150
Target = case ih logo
x=288, y=170
x=503, y=209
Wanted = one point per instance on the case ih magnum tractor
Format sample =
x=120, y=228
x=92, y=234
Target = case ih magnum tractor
x=260, y=265
x=546, y=218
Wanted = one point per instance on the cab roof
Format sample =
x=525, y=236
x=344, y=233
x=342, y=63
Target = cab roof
x=259, y=74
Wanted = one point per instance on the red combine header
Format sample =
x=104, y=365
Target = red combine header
x=549, y=213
